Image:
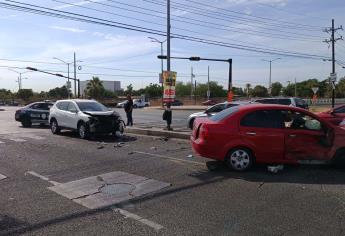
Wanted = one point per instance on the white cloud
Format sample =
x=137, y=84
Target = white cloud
x=81, y=3
x=69, y=29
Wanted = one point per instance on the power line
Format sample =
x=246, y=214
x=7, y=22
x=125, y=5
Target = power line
x=86, y=19
x=253, y=16
x=199, y=11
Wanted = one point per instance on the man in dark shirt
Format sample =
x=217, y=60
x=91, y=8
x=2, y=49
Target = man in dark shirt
x=128, y=109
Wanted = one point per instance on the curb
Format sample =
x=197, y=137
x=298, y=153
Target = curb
x=180, y=109
x=160, y=133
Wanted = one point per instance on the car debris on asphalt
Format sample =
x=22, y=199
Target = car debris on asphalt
x=275, y=169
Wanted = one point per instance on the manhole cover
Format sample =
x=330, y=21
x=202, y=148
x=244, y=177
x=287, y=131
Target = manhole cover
x=117, y=189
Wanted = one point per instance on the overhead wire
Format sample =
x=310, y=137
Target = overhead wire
x=88, y=19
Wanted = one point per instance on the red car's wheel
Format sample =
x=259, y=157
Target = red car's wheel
x=240, y=159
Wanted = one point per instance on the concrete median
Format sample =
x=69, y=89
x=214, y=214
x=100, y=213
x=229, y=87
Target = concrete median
x=158, y=132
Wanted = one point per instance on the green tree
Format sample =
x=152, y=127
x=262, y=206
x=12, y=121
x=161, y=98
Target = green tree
x=94, y=88
x=260, y=91
x=340, y=89
x=238, y=91
x=129, y=89
x=153, y=90
x=276, y=88
x=182, y=89
x=25, y=94
x=58, y=93
x=215, y=89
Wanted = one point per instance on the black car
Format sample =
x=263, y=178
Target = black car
x=176, y=103
x=37, y=112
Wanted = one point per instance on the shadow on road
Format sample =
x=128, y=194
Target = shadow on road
x=101, y=138
x=298, y=174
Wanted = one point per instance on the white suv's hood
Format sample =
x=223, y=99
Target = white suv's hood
x=100, y=113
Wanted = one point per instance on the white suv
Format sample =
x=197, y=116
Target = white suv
x=85, y=116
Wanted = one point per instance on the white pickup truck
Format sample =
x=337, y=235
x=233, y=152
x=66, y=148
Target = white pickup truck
x=138, y=103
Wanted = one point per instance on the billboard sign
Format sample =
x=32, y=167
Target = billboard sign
x=169, y=82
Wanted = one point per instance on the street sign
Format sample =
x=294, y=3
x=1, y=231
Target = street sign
x=333, y=77
x=160, y=78
x=333, y=84
x=315, y=89
x=169, y=82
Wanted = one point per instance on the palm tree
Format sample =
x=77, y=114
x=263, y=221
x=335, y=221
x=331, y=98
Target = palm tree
x=94, y=88
x=247, y=88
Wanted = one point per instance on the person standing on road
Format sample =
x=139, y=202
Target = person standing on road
x=129, y=109
x=167, y=116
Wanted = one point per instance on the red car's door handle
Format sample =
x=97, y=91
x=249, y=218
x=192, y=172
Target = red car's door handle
x=251, y=133
x=292, y=135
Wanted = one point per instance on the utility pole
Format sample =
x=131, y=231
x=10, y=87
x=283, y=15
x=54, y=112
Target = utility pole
x=168, y=35
x=191, y=83
x=194, y=92
x=75, y=78
x=270, y=77
x=208, y=83
x=332, y=40
x=295, y=88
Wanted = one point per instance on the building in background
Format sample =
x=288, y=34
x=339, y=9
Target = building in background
x=113, y=86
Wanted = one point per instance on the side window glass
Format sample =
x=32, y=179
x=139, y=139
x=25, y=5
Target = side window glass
x=62, y=106
x=297, y=120
x=216, y=108
x=71, y=107
x=263, y=119
x=35, y=106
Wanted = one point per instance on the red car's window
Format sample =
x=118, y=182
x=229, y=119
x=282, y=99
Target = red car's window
x=297, y=120
x=263, y=119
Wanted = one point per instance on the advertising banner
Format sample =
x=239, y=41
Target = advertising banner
x=169, y=82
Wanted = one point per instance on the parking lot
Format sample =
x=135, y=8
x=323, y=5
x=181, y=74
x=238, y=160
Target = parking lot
x=144, y=185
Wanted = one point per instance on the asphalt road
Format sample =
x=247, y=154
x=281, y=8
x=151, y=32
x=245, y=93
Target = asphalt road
x=300, y=200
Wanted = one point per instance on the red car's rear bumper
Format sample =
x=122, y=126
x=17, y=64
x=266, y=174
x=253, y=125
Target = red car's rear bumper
x=202, y=148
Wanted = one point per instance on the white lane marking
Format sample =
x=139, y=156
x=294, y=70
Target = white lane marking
x=33, y=173
x=2, y=177
x=170, y=158
x=17, y=139
x=147, y=222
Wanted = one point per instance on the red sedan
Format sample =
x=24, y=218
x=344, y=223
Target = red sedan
x=335, y=115
x=271, y=134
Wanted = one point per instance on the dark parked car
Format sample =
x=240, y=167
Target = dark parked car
x=37, y=112
x=293, y=102
x=176, y=103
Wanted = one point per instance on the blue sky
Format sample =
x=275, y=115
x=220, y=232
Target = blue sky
x=132, y=58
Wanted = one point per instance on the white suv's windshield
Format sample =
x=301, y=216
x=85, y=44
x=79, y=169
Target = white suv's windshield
x=91, y=106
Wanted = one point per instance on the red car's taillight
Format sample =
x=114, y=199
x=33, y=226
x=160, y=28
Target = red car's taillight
x=204, y=131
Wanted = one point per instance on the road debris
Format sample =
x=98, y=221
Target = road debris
x=190, y=156
x=153, y=148
x=118, y=145
x=275, y=169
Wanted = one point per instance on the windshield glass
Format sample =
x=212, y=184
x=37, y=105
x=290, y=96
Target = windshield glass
x=225, y=113
x=91, y=106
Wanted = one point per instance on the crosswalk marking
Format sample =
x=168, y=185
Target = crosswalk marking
x=17, y=139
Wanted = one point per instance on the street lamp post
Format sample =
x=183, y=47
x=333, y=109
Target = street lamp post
x=19, y=77
x=270, y=78
x=68, y=77
x=162, y=66
x=207, y=59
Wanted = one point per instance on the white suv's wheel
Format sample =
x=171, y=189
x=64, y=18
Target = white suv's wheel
x=83, y=131
x=240, y=159
x=54, y=127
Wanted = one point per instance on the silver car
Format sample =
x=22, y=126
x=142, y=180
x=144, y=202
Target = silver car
x=214, y=110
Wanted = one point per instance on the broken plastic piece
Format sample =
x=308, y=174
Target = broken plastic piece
x=275, y=169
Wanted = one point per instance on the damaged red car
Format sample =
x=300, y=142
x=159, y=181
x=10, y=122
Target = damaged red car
x=273, y=134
